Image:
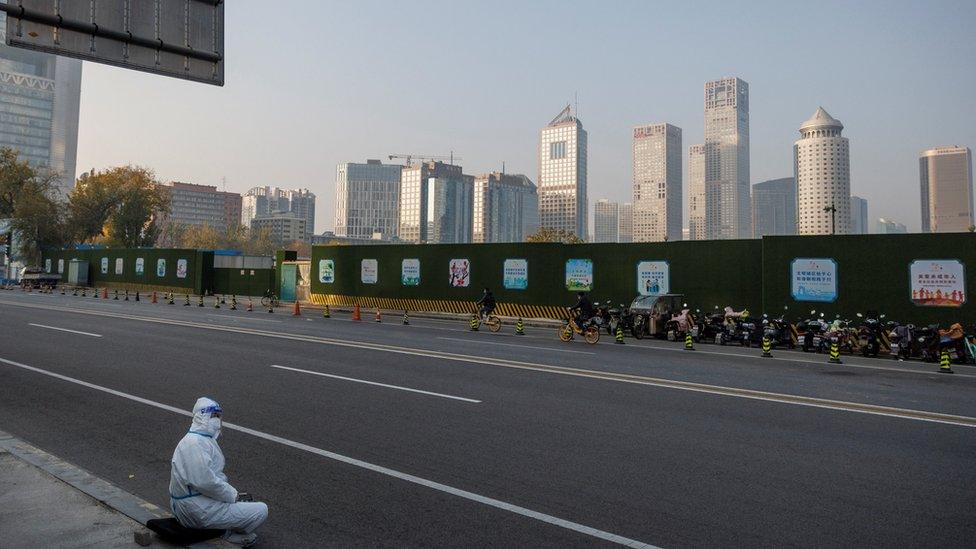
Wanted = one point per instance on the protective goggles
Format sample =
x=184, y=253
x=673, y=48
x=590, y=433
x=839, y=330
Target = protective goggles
x=213, y=410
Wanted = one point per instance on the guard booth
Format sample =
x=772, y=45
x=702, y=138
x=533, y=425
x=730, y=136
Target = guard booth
x=295, y=281
x=77, y=272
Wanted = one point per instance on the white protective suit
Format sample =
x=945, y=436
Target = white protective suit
x=199, y=492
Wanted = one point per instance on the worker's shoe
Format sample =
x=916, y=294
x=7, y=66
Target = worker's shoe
x=244, y=540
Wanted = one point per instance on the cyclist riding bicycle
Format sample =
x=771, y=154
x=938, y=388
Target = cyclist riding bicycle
x=487, y=303
x=583, y=307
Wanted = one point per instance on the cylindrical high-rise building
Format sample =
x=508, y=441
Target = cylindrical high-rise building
x=822, y=164
x=946, y=176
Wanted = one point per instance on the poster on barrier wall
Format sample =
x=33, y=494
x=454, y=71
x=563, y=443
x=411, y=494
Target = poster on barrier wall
x=47, y=265
x=515, y=274
x=326, y=271
x=140, y=266
x=368, y=271
x=653, y=277
x=579, y=275
x=410, y=272
x=119, y=264
x=104, y=265
x=161, y=268
x=180, y=268
x=61, y=266
x=814, y=279
x=938, y=282
x=460, y=271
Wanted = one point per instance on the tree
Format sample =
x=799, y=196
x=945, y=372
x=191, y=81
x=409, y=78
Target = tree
x=972, y=228
x=90, y=204
x=29, y=198
x=14, y=175
x=201, y=237
x=133, y=204
x=545, y=234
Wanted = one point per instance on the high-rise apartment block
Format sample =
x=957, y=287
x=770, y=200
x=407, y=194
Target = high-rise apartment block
x=625, y=222
x=562, y=174
x=697, y=229
x=198, y=205
x=506, y=208
x=727, y=203
x=40, y=95
x=823, y=176
x=657, y=183
x=284, y=227
x=946, y=177
x=859, y=215
x=367, y=200
x=269, y=201
x=774, y=207
x=606, y=218
x=436, y=204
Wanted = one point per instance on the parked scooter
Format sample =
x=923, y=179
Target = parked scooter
x=869, y=334
x=777, y=331
x=902, y=338
x=812, y=333
x=680, y=324
x=740, y=328
x=954, y=342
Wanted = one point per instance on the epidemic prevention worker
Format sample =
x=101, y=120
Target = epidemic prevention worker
x=199, y=492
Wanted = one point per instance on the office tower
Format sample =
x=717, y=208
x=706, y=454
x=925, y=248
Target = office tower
x=606, y=218
x=727, y=211
x=887, y=226
x=774, y=207
x=562, y=174
x=506, y=208
x=859, y=215
x=657, y=183
x=367, y=200
x=267, y=201
x=40, y=95
x=697, y=229
x=199, y=205
x=625, y=223
x=946, y=176
x=435, y=196
x=821, y=159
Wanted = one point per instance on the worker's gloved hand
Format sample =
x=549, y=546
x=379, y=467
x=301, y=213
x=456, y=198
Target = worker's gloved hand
x=244, y=496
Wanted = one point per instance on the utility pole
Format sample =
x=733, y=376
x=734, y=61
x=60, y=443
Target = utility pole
x=833, y=217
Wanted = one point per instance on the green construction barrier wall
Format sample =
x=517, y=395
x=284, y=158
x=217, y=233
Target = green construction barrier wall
x=249, y=282
x=708, y=273
x=198, y=276
x=873, y=274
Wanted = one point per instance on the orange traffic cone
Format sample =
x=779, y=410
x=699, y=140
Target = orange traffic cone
x=104, y=293
x=297, y=310
x=378, y=317
x=355, y=313
x=154, y=298
x=250, y=305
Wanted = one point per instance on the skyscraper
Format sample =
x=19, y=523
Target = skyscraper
x=774, y=207
x=697, y=229
x=727, y=211
x=562, y=174
x=506, y=208
x=657, y=183
x=268, y=201
x=606, y=218
x=435, y=197
x=367, y=199
x=823, y=176
x=887, y=226
x=859, y=215
x=946, y=176
x=625, y=223
x=40, y=95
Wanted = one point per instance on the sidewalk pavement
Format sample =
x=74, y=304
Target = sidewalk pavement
x=47, y=502
x=460, y=317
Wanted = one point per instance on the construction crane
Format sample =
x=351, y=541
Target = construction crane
x=424, y=157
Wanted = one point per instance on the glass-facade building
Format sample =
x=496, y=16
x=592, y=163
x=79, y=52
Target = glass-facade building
x=562, y=175
x=696, y=193
x=367, y=200
x=727, y=204
x=417, y=214
x=606, y=221
x=946, y=179
x=859, y=215
x=657, y=183
x=450, y=202
x=774, y=207
x=625, y=222
x=506, y=208
x=40, y=95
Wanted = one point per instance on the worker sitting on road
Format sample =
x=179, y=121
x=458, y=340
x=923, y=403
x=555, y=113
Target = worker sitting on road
x=199, y=492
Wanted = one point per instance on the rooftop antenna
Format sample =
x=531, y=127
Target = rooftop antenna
x=223, y=182
x=576, y=100
x=503, y=167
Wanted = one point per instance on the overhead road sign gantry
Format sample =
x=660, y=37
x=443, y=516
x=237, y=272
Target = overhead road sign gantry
x=178, y=38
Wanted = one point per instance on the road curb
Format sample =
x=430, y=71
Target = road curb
x=97, y=488
x=462, y=317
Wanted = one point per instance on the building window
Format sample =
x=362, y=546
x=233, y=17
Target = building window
x=557, y=150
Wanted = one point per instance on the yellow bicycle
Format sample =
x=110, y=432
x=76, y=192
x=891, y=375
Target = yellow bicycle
x=591, y=334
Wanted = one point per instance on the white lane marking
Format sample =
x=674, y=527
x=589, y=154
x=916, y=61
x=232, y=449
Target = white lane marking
x=62, y=329
x=375, y=383
x=736, y=392
x=228, y=317
x=492, y=502
x=516, y=345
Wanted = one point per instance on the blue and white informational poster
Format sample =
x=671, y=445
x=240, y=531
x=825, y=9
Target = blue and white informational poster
x=326, y=271
x=180, y=268
x=579, y=275
x=410, y=272
x=140, y=266
x=368, y=271
x=653, y=277
x=47, y=265
x=814, y=279
x=161, y=268
x=104, y=265
x=119, y=264
x=515, y=274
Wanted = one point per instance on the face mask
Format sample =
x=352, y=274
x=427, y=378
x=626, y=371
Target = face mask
x=214, y=425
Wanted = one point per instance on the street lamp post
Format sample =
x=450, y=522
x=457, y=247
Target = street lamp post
x=833, y=217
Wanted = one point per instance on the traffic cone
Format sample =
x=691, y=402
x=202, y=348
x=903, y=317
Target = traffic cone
x=378, y=317
x=126, y=295
x=84, y=292
x=75, y=292
x=250, y=305
x=223, y=300
x=297, y=310
x=233, y=302
x=519, y=327
x=200, y=302
x=170, y=301
x=619, y=336
x=406, y=318
x=689, y=343
x=834, y=353
x=474, y=323
x=216, y=303
x=137, y=295
x=325, y=312
x=153, y=300
x=104, y=293
x=767, y=347
x=62, y=290
x=116, y=298
x=355, y=313
x=945, y=365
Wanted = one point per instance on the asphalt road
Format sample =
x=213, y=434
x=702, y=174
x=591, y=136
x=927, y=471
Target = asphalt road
x=366, y=434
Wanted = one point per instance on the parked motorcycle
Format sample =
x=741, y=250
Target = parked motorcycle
x=869, y=334
x=902, y=337
x=812, y=333
x=680, y=324
x=777, y=331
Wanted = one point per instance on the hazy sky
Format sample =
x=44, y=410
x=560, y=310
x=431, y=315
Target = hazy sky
x=311, y=83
